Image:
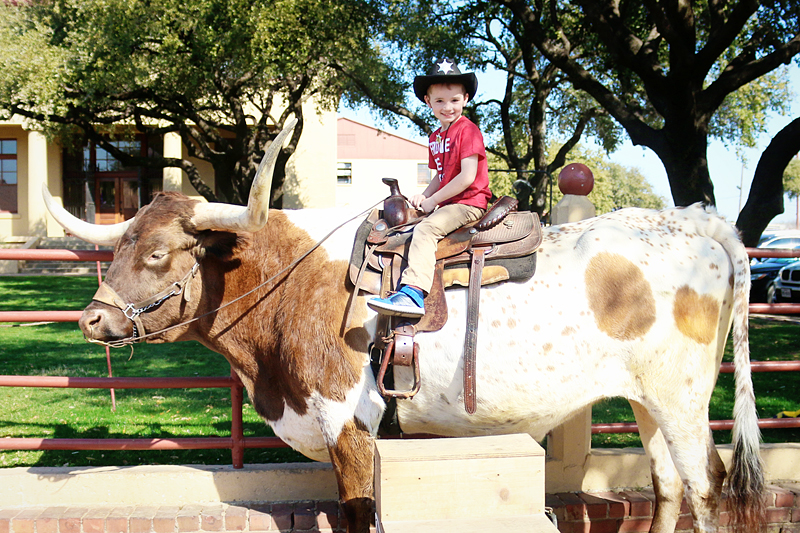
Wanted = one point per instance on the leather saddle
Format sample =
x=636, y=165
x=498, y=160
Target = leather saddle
x=498, y=247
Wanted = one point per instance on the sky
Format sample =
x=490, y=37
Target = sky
x=731, y=177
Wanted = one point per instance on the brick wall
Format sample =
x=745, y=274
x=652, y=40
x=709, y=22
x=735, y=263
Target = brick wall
x=632, y=511
x=308, y=517
x=599, y=512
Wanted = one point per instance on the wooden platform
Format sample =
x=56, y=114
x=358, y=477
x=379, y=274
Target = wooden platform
x=519, y=524
x=433, y=485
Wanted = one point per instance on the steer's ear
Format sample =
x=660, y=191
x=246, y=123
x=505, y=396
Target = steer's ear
x=221, y=244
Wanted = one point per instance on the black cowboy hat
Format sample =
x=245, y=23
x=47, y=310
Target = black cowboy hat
x=445, y=71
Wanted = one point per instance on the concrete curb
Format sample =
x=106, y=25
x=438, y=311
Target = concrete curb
x=166, y=484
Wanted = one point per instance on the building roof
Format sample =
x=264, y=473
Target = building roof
x=359, y=141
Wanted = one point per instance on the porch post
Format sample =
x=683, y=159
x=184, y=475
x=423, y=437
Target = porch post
x=569, y=445
x=37, y=175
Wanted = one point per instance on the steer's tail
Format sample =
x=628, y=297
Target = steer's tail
x=746, y=476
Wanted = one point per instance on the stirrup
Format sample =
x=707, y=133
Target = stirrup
x=390, y=393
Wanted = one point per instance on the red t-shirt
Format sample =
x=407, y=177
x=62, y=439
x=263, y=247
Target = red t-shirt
x=446, y=150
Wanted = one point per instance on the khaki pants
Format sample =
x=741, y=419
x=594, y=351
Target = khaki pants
x=427, y=234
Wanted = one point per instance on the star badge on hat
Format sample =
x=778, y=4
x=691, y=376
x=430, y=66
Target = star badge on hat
x=445, y=66
x=445, y=71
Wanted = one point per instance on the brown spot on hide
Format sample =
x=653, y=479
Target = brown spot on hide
x=512, y=323
x=696, y=316
x=619, y=296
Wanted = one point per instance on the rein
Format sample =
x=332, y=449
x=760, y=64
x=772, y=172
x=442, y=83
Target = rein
x=105, y=294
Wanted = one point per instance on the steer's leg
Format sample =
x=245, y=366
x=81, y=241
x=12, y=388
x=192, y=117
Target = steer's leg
x=667, y=483
x=352, y=458
x=685, y=435
x=700, y=467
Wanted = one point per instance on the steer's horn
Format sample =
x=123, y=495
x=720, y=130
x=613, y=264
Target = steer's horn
x=253, y=217
x=102, y=234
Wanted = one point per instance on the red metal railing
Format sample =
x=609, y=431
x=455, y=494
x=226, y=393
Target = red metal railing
x=237, y=443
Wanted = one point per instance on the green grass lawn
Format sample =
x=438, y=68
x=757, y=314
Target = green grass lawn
x=59, y=350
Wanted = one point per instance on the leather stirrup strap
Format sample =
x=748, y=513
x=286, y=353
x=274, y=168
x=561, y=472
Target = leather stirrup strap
x=348, y=315
x=470, y=343
x=404, y=345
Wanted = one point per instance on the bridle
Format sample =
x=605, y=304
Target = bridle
x=106, y=295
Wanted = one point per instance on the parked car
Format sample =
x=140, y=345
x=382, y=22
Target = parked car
x=777, y=234
x=781, y=242
x=762, y=277
x=787, y=284
x=764, y=271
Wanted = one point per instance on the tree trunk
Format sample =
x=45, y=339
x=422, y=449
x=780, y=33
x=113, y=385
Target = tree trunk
x=765, y=200
x=684, y=156
x=279, y=180
x=540, y=194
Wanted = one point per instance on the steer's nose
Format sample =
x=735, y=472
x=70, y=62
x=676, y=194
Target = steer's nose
x=104, y=323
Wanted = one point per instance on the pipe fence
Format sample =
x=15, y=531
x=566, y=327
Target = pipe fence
x=237, y=442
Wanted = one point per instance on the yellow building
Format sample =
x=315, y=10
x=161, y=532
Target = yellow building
x=337, y=163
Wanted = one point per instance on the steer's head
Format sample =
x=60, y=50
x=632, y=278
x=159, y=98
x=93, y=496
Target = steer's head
x=154, y=279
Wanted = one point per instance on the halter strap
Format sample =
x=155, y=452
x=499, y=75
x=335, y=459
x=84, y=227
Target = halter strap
x=106, y=295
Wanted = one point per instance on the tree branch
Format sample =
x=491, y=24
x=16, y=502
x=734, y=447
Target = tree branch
x=765, y=200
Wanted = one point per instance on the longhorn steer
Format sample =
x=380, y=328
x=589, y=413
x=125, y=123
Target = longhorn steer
x=635, y=303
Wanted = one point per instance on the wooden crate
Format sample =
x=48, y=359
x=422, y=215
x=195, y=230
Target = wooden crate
x=458, y=478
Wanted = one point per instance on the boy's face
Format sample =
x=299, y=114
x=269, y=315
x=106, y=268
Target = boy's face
x=447, y=102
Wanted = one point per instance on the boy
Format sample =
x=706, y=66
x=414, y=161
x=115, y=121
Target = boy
x=460, y=187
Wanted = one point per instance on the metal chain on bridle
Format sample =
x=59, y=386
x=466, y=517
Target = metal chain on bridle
x=132, y=311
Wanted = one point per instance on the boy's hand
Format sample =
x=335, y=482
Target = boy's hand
x=428, y=205
x=416, y=200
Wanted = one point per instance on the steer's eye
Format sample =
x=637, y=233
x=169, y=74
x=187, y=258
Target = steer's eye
x=157, y=256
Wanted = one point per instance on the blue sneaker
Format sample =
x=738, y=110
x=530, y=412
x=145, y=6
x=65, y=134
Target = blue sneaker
x=407, y=302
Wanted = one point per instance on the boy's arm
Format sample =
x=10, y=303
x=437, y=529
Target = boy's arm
x=465, y=178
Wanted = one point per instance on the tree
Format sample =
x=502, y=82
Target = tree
x=791, y=183
x=791, y=178
x=212, y=71
x=664, y=69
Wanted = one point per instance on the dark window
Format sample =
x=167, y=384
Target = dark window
x=8, y=175
x=116, y=191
